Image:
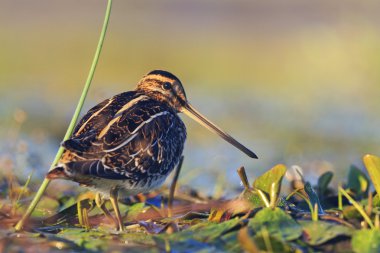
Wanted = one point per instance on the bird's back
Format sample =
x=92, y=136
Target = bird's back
x=129, y=137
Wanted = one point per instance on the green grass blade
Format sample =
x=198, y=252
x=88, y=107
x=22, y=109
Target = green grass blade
x=358, y=207
x=19, y=226
x=23, y=189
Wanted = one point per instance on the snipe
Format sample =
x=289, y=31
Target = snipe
x=132, y=141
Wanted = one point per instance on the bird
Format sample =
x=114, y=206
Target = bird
x=128, y=144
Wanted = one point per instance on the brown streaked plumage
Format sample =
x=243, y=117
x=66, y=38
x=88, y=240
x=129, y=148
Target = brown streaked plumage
x=131, y=142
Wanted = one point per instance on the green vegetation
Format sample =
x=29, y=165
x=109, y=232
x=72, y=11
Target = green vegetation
x=260, y=219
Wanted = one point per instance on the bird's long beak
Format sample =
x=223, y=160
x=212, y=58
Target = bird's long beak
x=195, y=115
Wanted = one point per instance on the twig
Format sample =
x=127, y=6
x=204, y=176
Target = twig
x=243, y=177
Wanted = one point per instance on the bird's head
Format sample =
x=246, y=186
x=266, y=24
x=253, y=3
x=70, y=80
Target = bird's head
x=166, y=87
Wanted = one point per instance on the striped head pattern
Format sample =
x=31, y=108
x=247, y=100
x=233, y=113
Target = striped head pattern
x=165, y=87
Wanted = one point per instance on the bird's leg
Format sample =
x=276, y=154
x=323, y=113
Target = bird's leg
x=84, y=205
x=101, y=204
x=113, y=199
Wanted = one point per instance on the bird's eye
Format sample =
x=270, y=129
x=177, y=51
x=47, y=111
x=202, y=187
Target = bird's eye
x=167, y=86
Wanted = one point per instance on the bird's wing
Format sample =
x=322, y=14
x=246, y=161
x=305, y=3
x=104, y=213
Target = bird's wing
x=85, y=135
x=154, y=150
x=135, y=140
x=113, y=124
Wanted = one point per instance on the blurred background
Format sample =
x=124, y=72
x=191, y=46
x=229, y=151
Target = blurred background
x=296, y=81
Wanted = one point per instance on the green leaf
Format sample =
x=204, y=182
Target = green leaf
x=376, y=200
x=313, y=197
x=230, y=242
x=372, y=164
x=252, y=197
x=98, y=240
x=66, y=201
x=350, y=212
x=46, y=207
x=84, y=239
x=270, y=243
x=366, y=241
x=207, y=236
x=357, y=182
x=317, y=233
x=323, y=183
x=274, y=175
x=263, y=241
x=207, y=231
x=133, y=211
x=277, y=223
x=264, y=183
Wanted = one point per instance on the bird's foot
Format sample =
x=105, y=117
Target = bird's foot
x=85, y=204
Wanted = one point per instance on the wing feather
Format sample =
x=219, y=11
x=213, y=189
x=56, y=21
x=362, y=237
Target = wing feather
x=132, y=141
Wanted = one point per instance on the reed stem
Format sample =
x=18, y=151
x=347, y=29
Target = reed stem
x=20, y=224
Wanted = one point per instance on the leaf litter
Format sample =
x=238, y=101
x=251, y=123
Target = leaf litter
x=262, y=218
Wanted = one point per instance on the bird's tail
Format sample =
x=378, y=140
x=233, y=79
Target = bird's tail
x=57, y=173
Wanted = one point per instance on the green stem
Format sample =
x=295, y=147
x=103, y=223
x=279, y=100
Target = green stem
x=273, y=195
x=307, y=202
x=358, y=207
x=340, y=199
x=23, y=190
x=19, y=226
x=314, y=214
